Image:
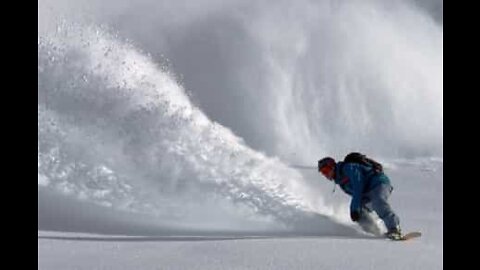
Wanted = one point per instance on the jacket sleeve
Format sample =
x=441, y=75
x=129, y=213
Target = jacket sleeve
x=356, y=182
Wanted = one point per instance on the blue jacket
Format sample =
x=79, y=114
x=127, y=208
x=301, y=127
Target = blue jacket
x=357, y=180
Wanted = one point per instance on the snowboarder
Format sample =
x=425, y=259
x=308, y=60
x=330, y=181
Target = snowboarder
x=370, y=189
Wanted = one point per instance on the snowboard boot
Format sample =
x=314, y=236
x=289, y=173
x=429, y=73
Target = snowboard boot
x=394, y=233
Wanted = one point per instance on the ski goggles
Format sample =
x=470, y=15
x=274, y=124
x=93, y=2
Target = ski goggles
x=325, y=170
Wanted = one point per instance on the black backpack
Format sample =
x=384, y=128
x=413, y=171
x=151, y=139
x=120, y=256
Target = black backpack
x=359, y=158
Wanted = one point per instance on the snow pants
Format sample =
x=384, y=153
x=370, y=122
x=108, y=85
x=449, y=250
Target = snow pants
x=377, y=200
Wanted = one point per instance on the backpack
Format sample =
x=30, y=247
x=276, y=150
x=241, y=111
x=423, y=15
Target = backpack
x=362, y=159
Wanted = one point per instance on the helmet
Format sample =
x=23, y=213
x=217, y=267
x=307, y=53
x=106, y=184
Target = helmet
x=326, y=161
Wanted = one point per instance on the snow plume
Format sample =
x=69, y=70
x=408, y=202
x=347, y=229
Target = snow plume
x=117, y=129
x=298, y=80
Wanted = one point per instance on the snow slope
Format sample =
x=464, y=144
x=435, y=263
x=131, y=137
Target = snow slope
x=417, y=199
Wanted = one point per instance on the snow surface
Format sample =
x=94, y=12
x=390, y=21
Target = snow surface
x=417, y=198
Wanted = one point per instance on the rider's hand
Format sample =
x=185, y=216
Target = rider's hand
x=355, y=215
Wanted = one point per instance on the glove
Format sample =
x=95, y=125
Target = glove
x=355, y=215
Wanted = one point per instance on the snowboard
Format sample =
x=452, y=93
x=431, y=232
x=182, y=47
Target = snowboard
x=408, y=236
